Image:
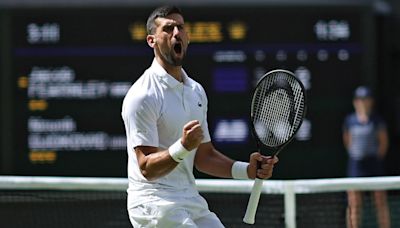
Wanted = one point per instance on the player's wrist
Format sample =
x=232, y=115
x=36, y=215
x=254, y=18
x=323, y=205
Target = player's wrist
x=239, y=170
x=177, y=151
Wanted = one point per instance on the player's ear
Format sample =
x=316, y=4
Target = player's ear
x=151, y=40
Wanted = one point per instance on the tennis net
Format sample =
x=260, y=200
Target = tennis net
x=101, y=202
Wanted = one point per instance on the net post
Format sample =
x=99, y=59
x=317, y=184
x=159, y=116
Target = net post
x=290, y=205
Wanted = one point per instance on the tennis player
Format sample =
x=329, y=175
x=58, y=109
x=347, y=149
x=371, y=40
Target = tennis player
x=165, y=117
x=366, y=140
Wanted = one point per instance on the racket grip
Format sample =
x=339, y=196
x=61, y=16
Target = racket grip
x=252, y=205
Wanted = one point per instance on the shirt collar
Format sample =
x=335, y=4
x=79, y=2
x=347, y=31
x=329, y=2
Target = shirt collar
x=163, y=75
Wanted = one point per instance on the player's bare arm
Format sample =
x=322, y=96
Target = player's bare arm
x=155, y=163
x=210, y=161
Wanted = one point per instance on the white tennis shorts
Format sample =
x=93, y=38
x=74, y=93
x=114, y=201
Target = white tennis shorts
x=173, y=213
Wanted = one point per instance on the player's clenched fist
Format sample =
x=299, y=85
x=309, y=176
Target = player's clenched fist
x=192, y=135
x=264, y=170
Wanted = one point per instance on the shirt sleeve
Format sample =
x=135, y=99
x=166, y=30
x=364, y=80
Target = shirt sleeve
x=204, y=125
x=140, y=118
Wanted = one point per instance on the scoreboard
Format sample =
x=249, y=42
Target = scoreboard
x=69, y=69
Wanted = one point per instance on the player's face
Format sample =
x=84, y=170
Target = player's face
x=171, y=39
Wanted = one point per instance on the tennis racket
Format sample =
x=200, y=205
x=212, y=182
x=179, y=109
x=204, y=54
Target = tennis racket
x=278, y=107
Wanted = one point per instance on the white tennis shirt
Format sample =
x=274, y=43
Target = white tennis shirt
x=155, y=109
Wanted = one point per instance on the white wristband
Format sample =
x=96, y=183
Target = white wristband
x=239, y=170
x=177, y=151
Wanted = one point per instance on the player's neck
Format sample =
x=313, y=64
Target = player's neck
x=174, y=71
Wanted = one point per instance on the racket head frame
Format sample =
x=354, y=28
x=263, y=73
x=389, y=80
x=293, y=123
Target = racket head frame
x=279, y=147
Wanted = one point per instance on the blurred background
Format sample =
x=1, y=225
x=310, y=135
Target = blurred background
x=65, y=66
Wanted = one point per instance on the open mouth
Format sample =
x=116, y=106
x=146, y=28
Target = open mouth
x=178, y=48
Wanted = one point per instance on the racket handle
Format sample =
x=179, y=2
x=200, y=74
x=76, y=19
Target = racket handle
x=252, y=205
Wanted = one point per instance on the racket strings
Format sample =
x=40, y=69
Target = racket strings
x=277, y=114
x=280, y=109
x=274, y=130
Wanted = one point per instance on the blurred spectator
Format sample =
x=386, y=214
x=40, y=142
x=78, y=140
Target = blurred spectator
x=366, y=140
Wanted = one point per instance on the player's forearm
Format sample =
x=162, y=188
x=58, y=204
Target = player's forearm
x=156, y=164
x=216, y=164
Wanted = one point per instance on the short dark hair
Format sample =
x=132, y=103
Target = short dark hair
x=162, y=12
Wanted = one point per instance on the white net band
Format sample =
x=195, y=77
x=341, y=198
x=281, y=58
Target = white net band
x=93, y=202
